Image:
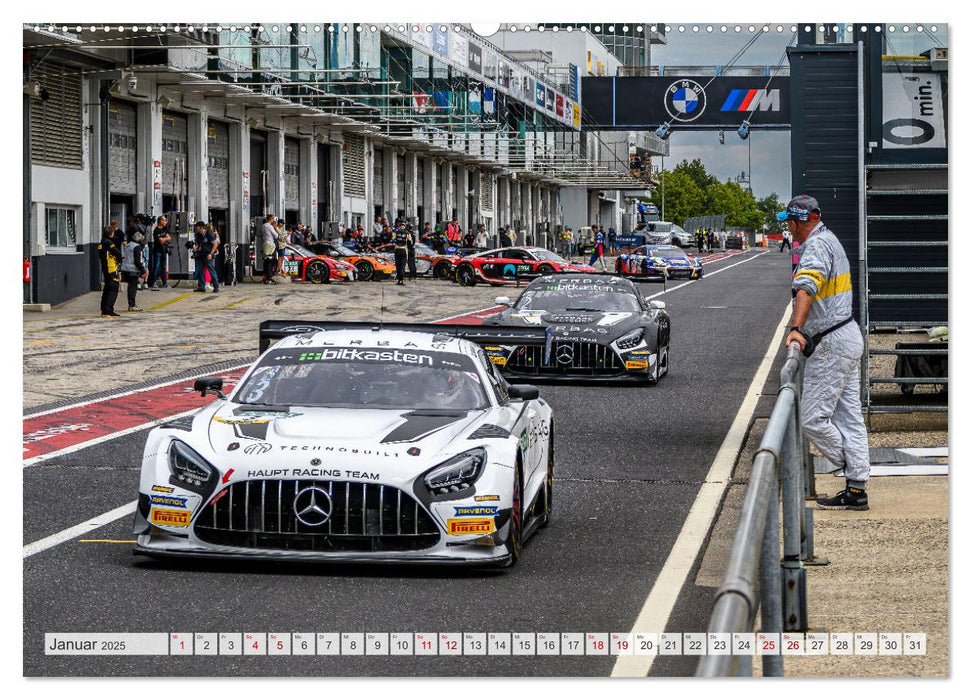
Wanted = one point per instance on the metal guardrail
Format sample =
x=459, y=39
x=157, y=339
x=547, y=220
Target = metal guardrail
x=783, y=455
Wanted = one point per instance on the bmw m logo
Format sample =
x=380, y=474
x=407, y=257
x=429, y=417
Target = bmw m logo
x=685, y=100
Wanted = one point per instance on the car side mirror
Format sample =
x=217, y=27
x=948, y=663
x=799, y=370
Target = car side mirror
x=526, y=392
x=654, y=304
x=209, y=385
x=502, y=301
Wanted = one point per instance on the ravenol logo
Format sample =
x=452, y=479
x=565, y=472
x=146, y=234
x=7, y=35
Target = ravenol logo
x=751, y=101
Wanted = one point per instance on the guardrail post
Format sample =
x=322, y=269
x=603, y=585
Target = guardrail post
x=794, y=528
x=770, y=582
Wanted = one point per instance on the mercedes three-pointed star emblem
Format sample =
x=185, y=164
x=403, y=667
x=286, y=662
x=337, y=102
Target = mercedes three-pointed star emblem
x=564, y=354
x=312, y=506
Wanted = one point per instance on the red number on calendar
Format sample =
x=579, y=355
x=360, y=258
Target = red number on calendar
x=792, y=644
x=451, y=645
x=768, y=645
x=598, y=645
x=622, y=644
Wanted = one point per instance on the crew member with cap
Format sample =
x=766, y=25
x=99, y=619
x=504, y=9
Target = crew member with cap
x=402, y=239
x=823, y=326
x=205, y=243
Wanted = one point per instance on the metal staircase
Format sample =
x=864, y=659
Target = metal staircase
x=904, y=274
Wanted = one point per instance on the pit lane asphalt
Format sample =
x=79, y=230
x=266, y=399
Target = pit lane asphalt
x=629, y=464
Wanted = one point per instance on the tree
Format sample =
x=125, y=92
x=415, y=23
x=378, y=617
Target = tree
x=738, y=205
x=770, y=206
x=682, y=196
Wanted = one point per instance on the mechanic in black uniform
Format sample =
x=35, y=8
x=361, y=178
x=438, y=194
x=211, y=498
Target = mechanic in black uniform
x=401, y=239
x=110, y=257
x=412, y=265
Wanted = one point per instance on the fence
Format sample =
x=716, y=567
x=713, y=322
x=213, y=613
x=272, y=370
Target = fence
x=782, y=455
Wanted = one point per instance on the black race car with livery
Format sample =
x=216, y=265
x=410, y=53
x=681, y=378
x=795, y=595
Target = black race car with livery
x=510, y=265
x=594, y=327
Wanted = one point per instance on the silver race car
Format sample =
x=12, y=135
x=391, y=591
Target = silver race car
x=351, y=443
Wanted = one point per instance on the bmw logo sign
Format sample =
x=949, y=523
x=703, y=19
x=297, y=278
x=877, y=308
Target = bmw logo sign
x=685, y=100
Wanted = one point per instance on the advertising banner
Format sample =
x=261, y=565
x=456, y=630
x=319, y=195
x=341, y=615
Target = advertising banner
x=913, y=111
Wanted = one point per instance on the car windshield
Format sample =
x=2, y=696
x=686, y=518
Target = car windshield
x=360, y=377
x=422, y=249
x=577, y=295
x=542, y=254
x=301, y=251
x=664, y=251
x=341, y=250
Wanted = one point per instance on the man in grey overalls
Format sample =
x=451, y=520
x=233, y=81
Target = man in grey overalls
x=822, y=319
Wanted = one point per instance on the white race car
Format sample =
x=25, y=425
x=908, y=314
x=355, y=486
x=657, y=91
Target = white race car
x=358, y=444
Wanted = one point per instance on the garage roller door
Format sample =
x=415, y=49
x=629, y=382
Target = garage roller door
x=121, y=148
x=217, y=166
x=378, y=177
x=175, y=128
x=291, y=173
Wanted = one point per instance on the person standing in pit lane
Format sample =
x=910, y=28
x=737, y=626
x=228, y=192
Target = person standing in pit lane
x=269, y=249
x=598, y=248
x=205, y=249
x=823, y=326
x=412, y=264
x=158, y=272
x=110, y=258
x=133, y=270
x=402, y=239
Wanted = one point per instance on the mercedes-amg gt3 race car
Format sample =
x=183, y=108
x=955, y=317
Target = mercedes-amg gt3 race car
x=659, y=262
x=596, y=327
x=510, y=265
x=353, y=443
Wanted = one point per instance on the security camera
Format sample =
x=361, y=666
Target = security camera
x=743, y=130
x=663, y=131
x=132, y=83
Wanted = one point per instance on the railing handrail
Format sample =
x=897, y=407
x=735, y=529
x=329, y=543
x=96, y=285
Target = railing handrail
x=754, y=553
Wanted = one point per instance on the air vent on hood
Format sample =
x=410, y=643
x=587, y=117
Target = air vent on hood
x=487, y=431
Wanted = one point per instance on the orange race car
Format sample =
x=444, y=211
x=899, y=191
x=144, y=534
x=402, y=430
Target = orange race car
x=369, y=267
x=441, y=265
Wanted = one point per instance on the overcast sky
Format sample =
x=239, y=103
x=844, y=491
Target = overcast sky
x=770, y=149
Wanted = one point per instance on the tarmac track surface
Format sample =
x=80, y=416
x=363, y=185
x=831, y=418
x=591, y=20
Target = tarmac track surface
x=629, y=463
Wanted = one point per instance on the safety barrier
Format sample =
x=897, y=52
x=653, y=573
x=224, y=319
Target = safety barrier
x=754, y=557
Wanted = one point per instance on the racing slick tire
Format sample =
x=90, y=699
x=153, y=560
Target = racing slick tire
x=545, y=270
x=365, y=270
x=515, y=542
x=442, y=270
x=465, y=274
x=318, y=272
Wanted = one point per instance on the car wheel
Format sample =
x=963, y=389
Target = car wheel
x=466, y=276
x=365, y=270
x=515, y=541
x=443, y=270
x=545, y=270
x=548, y=487
x=318, y=272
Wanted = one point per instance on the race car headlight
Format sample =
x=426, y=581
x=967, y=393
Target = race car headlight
x=456, y=474
x=631, y=340
x=189, y=470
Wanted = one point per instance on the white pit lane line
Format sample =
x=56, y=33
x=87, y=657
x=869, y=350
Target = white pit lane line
x=707, y=274
x=81, y=529
x=661, y=600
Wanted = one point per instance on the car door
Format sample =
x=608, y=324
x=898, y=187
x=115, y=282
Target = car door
x=529, y=425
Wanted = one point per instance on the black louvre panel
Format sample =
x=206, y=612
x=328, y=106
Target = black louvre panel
x=566, y=357
x=363, y=518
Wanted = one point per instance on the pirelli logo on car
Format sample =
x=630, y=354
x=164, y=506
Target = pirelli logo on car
x=172, y=518
x=636, y=364
x=470, y=526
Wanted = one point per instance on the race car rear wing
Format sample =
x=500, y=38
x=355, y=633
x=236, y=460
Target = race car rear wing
x=272, y=331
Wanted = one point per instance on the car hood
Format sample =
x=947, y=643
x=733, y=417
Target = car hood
x=601, y=326
x=371, y=439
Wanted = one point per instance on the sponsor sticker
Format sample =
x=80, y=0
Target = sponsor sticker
x=470, y=526
x=162, y=489
x=636, y=364
x=172, y=501
x=487, y=497
x=256, y=417
x=465, y=511
x=172, y=518
x=497, y=360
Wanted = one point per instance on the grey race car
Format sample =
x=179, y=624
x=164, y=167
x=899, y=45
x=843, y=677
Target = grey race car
x=596, y=327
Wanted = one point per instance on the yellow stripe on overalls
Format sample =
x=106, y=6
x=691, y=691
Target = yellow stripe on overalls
x=815, y=276
x=834, y=285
